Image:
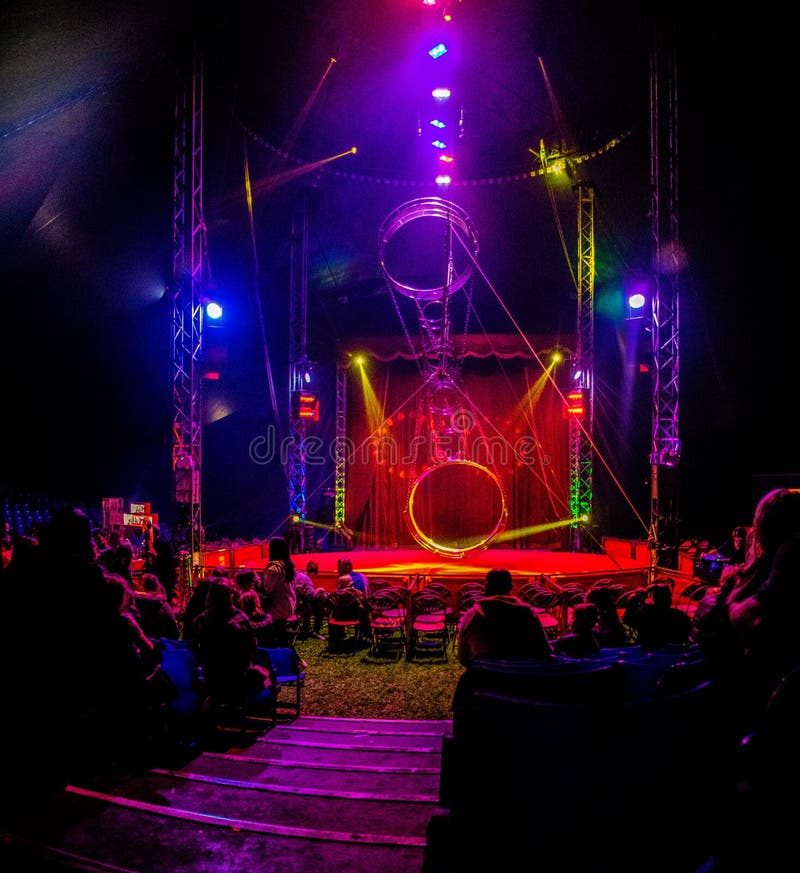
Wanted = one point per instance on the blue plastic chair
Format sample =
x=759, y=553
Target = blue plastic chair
x=286, y=671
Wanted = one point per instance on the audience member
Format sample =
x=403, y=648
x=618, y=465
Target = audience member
x=734, y=549
x=195, y=604
x=277, y=592
x=750, y=634
x=656, y=621
x=250, y=604
x=225, y=644
x=117, y=556
x=311, y=601
x=581, y=642
x=728, y=556
x=160, y=560
x=611, y=633
x=347, y=603
x=501, y=625
x=6, y=545
x=360, y=581
x=244, y=580
x=155, y=615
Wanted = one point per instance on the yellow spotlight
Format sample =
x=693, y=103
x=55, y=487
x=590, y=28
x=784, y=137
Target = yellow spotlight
x=353, y=150
x=360, y=360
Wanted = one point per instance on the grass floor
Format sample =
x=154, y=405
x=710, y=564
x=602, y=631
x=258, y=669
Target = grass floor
x=357, y=685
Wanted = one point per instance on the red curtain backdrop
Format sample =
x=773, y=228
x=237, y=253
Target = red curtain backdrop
x=507, y=422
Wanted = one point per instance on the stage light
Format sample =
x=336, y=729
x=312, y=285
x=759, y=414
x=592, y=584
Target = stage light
x=446, y=159
x=359, y=360
x=443, y=179
x=438, y=50
x=307, y=377
x=556, y=357
x=575, y=405
x=636, y=301
x=577, y=375
x=440, y=94
x=305, y=405
x=438, y=144
x=213, y=310
x=436, y=123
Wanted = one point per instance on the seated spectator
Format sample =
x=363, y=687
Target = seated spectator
x=195, y=604
x=360, y=581
x=656, y=621
x=261, y=622
x=311, y=601
x=501, y=625
x=750, y=634
x=609, y=630
x=581, y=642
x=244, y=580
x=225, y=644
x=353, y=608
x=155, y=614
x=117, y=557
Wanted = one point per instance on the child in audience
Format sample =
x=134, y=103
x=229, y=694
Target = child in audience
x=581, y=642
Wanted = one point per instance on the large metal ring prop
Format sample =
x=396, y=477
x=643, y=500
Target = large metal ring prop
x=436, y=508
x=427, y=207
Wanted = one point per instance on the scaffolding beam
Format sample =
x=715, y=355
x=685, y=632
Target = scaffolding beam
x=298, y=367
x=187, y=277
x=581, y=427
x=665, y=450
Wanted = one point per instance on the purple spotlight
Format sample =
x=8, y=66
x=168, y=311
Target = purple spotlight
x=438, y=50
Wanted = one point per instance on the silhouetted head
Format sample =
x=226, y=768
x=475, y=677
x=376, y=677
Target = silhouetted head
x=219, y=598
x=601, y=597
x=251, y=603
x=776, y=519
x=345, y=581
x=661, y=593
x=584, y=617
x=312, y=567
x=68, y=535
x=246, y=579
x=278, y=549
x=498, y=581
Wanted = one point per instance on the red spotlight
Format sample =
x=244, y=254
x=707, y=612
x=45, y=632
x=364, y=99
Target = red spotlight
x=306, y=405
x=575, y=404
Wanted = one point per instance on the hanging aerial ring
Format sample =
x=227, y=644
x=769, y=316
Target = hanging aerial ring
x=444, y=520
x=427, y=207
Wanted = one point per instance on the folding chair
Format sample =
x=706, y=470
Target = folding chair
x=286, y=671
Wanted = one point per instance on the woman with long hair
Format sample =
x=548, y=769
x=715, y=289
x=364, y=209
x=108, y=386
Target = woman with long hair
x=278, y=596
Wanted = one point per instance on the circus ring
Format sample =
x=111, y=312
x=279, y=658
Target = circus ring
x=435, y=502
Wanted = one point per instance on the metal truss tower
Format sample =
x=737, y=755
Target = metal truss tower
x=340, y=465
x=188, y=235
x=581, y=425
x=298, y=366
x=665, y=451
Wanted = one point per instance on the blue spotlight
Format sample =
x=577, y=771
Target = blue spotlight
x=213, y=310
